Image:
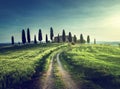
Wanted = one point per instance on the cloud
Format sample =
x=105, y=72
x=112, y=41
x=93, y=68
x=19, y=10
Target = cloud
x=84, y=16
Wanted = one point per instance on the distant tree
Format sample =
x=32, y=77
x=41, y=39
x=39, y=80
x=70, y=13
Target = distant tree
x=46, y=38
x=63, y=36
x=94, y=41
x=81, y=39
x=58, y=40
x=75, y=38
x=28, y=35
x=119, y=44
x=88, y=39
x=70, y=37
x=18, y=43
x=51, y=34
x=23, y=37
x=35, y=41
x=40, y=35
x=12, y=40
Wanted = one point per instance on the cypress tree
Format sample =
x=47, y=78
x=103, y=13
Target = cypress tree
x=94, y=41
x=63, y=36
x=88, y=39
x=40, y=35
x=75, y=38
x=28, y=35
x=35, y=41
x=81, y=39
x=70, y=37
x=23, y=37
x=51, y=34
x=46, y=38
x=12, y=40
x=58, y=38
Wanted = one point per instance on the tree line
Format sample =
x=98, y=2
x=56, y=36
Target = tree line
x=27, y=39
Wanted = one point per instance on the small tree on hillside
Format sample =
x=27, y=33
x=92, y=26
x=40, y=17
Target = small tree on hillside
x=51, y=34
x=81, y=39
x=88, y=39
x=23, y=37
x=63, y=36
x=28, y=35
x=35, y=41
x=46, y=38
x=75, y=38
x=58, y=40
x=12, y=40
x=70, y=37
x=40, y=35
x=94, y=41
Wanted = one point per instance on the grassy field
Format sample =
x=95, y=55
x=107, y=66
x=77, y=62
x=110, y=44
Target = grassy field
x=94, y=66
x=20, y=63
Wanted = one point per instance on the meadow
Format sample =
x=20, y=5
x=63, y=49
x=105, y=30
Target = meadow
x=93, y=66
x=20, y=63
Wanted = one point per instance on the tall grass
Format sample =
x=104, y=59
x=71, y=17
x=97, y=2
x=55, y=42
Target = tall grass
x=97, y=64
x=19, y=63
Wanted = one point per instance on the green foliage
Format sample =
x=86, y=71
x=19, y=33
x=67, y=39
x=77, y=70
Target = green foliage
x=51, y=33
x=46, y=38
x=35, y=40
x=97, y=65
x=59, y=84
x=23, y=37
x=12, y=40
x=58, y=40
x=28, y=35
x=82, y=41
x=19, y=63
x=88, y=39
x=63, y=36
x=75, y=38
x=94, y=41
x=70, y=37
x=40, y=35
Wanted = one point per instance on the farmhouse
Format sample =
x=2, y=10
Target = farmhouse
x=60, y=39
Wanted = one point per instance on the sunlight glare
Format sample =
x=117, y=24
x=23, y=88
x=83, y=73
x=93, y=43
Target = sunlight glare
x=114, y=21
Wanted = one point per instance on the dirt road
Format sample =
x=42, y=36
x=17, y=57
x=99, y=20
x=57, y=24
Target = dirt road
x=66, y=77
x=69, y=83
x=49, y=80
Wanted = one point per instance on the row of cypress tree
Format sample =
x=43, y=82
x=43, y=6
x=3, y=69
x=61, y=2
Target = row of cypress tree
x=28, y=39
x=40, y=38
x=70, y=38
x=74, y=39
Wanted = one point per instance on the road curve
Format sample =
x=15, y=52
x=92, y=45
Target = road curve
x=69, y=83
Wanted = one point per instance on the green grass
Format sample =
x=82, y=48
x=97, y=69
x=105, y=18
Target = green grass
x=98, y=66
x=59, y=84
x=93, y=66
x=20, y=63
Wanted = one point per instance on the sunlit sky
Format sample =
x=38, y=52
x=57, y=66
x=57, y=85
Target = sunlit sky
x=98, y=18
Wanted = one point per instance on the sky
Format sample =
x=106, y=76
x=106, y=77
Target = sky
x=98, y=18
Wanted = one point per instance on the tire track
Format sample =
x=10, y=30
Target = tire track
x=69, y=83
x=49, y=80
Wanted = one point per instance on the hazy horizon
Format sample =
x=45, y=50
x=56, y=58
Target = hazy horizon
x=98, y=18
